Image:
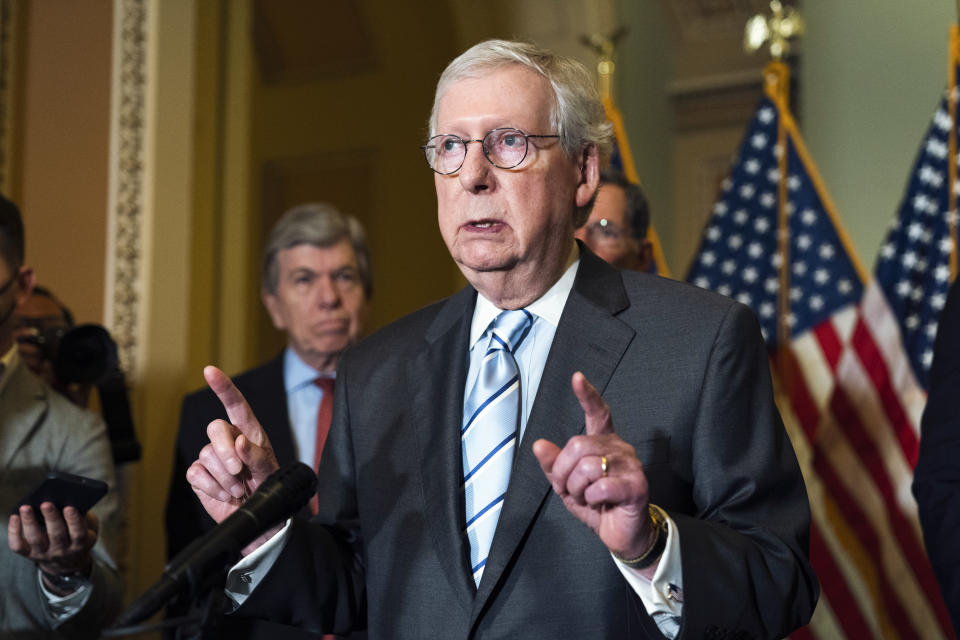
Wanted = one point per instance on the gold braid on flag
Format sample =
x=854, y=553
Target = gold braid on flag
x=777, y=86
x=604, y=47
x=630, y=171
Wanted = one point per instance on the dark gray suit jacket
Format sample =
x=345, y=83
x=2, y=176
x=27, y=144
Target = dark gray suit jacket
x=936, y=481
x=686, y=376
x=264, y=389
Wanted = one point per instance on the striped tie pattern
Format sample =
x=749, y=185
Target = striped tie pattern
x=489, y=435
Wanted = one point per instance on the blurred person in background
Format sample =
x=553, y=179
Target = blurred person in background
x=316, y=286
x=58, y=578
x=617, y=227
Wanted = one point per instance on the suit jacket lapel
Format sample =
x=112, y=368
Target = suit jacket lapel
x=272, y=396
x=23, y=402
x=437, y=376
x=589, y=339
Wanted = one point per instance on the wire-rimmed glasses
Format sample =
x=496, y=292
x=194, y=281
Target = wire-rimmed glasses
x=505, y=148
x=606, y=233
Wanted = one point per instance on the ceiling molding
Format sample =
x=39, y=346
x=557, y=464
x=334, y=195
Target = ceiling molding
x=706, y=19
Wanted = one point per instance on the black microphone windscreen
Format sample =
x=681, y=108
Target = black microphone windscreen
x=278, y=497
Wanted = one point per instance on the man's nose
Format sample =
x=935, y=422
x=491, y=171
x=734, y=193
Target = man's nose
x=327, y=293
x=476, y=172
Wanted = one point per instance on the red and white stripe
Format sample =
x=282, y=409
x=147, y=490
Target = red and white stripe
x=852, y=409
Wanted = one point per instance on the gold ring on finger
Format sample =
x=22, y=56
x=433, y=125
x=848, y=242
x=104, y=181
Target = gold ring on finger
x=604, y=467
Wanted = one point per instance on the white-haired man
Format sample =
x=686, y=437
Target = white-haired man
x=470, y=447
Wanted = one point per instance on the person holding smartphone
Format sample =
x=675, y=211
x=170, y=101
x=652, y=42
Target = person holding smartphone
x=57, y=578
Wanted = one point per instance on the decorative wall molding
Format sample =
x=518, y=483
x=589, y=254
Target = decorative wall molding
x=705, y=19
x=125, y=217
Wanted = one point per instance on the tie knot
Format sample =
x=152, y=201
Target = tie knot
x=510, y=328
x=324, y=383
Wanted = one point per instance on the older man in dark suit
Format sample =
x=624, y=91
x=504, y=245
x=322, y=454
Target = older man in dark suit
x=316, y=286
x=484, y=488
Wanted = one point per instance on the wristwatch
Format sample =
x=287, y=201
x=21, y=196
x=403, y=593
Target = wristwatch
x=64, y=583
x=648, y=557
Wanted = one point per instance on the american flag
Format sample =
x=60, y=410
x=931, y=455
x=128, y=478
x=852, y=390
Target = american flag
x=913, y=267
x=851, y=411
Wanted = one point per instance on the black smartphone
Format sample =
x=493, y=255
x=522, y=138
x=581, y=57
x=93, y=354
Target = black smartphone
x=63, y=490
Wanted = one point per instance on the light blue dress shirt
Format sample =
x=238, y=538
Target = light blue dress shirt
x=303, y=403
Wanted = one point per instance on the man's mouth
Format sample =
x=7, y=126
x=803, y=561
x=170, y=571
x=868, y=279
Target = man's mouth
x=483, y=225
x=331, y=326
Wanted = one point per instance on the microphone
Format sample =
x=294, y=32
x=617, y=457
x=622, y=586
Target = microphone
x=280, y=496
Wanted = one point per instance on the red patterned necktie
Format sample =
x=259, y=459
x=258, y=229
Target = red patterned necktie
x=324, y=414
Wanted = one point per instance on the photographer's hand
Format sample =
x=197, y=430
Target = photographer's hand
x=32, y=353
x=59, y=546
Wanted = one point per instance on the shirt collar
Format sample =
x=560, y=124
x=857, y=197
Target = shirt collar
x=549, y=306
x=8, y=362
x=297, y=373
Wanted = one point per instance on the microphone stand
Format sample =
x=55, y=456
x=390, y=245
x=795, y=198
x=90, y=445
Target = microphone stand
x=201, y=623
x=204, y=563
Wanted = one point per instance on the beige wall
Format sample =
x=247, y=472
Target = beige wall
x=872, y=75
x=64, y=133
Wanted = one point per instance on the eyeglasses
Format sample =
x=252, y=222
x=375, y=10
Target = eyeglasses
x=505, y=148
x=604, y=232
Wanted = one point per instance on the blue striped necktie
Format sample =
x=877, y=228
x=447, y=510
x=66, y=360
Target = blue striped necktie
x=489, y=435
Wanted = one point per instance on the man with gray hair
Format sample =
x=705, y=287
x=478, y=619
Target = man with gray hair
x=484, y=486
x=316, y=286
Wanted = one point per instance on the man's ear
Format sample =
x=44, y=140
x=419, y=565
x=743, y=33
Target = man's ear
x=644, y=255
x=273, y=308
x=589, y=167
x=26, y=280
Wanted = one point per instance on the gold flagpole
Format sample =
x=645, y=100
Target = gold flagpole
x=605, y=48
x=777, y=30
x=954, y=59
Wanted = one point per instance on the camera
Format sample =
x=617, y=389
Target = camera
x=85, y=354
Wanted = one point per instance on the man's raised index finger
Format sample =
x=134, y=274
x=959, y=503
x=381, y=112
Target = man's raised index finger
x=238, y=411
x=596, y=411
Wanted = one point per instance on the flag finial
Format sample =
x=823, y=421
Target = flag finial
x=778, y=29
x=605, y=47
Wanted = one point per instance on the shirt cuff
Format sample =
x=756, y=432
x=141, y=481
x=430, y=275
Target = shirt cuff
x=244, y=576
x=662, y=596
x=62, y=608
